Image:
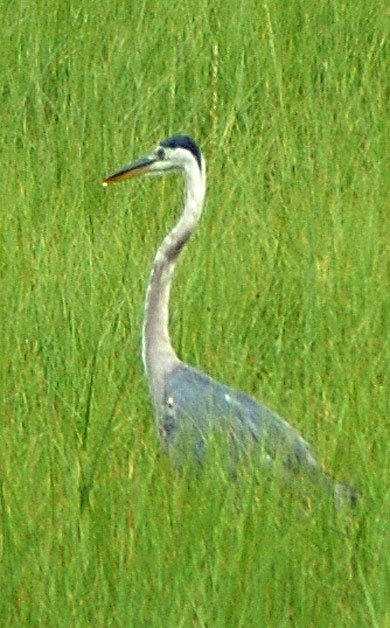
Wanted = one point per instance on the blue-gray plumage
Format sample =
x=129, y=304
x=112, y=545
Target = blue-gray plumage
x=196, y=405
x=190, y=405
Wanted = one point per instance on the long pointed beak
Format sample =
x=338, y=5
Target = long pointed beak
x=135, y=169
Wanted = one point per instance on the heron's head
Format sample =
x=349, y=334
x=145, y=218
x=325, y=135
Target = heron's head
x=179, y=152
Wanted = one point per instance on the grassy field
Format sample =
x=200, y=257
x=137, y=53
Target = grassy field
x=283, y=293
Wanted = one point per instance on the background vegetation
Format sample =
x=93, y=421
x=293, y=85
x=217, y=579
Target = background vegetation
x=284, y=293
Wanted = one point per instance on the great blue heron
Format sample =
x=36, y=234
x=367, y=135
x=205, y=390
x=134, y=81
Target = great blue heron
x=189, y=404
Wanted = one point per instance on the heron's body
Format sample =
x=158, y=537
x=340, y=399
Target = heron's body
x=189, y=405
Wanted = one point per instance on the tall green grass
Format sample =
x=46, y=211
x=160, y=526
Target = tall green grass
x=284, y=293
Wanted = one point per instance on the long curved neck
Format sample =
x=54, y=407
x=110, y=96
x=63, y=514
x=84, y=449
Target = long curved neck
x=158, y=354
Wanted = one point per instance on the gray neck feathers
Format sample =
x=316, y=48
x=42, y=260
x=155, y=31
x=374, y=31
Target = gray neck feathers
x=158, y=354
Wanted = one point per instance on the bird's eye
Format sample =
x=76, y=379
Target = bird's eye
x=160, y=153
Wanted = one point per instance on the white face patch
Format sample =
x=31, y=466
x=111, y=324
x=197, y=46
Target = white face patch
x=228, y=398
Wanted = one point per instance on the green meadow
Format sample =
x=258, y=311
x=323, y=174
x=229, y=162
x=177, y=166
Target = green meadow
x=283, y=293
